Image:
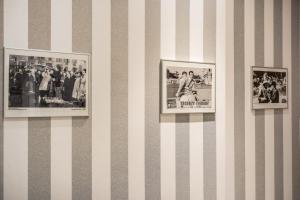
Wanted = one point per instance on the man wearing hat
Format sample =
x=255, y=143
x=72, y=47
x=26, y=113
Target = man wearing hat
x=263, y=96
x=274, y=97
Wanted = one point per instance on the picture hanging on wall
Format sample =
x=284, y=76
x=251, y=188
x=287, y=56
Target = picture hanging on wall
x=269, y=87
x=45, y=84
x=187, y=87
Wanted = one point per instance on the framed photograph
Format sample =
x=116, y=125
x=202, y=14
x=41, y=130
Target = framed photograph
x=187, y=87
x=45, y=84
x=269, y=87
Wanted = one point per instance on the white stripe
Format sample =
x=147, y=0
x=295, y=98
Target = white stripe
x=196, y=30
x=249, y=113
x=196, y=158
x=167, y=130
x=61, y=128
x=230, y=101
x=287, y=113
x=136, y=100
x=61, y=158
x=15, y=142
x=269, y=114
x=196, y=127
x=220, y=99
x=101, y=123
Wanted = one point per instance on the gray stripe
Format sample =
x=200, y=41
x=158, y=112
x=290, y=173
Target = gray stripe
x=39, y=131
x=295, y=97
x=209, y=157
x=119, y=100
x=82, y=126
x=278, y=149
x=239, y=99
x=260, y=154
x=39, y=158
x=1, y=101
x=209, y=31
x=182, y=120
x=259, y=114
x=209, y=121
x=278, y=116
x=152, y=126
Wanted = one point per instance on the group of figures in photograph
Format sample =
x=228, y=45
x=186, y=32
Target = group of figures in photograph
x=269, y=88
x=46, y=82
x=41, y=83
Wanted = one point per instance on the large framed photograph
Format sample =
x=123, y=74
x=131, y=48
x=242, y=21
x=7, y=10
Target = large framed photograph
x=269, y=87
x=45, y=84
x=188, y=87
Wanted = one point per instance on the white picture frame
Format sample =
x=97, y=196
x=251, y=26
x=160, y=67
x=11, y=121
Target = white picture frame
x=269, y=88
x=38, y=83
x=200, y=86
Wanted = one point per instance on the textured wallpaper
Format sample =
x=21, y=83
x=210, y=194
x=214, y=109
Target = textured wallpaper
x=127, y=150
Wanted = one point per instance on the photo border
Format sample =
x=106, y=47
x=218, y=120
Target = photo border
x=270, y=106
x=187, y=64
x=44, y=112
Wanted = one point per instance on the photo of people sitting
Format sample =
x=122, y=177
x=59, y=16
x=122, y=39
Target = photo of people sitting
x=269, y=87
x=47, y=82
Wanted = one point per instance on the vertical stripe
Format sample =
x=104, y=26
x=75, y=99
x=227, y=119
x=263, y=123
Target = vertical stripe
x=136, y=99
x=230, y=100
x=221, y=7
x=287, y=113
x=39, y=128
x=82, y=133
x=101, y=101
x=295, y=97
x=182, y=120
x=1, y=101
x=259, y=114
x=209, y=156
x=15, y=160
x=39, y=181
x=39, y=133
x=168, y=142
x=196, y=120
x=196, y=157
x=239, y=101
x=61, y=159
x=209, y=123
x=209, y=31
x=278, y=116
x=152, y=127
x=119, y=100
x=61, y=128
x=269, y=113
x=250, y=170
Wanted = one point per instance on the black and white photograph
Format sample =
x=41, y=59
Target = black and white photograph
x=41, y=83
x=187, y=87
x=269, y=88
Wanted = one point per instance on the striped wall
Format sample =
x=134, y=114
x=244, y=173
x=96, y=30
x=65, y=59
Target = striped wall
x=126, y=150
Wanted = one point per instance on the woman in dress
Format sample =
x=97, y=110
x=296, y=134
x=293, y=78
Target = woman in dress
x=76, y=89
x=44, y=86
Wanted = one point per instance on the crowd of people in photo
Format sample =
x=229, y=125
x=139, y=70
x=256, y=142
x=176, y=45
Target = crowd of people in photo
x=46, y=85
x=269, y=87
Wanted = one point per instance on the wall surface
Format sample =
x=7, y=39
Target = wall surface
x=126, y=149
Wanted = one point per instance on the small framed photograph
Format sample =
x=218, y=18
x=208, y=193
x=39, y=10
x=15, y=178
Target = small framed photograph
x=269, y=88
x=45, y=84
x=187, y=87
